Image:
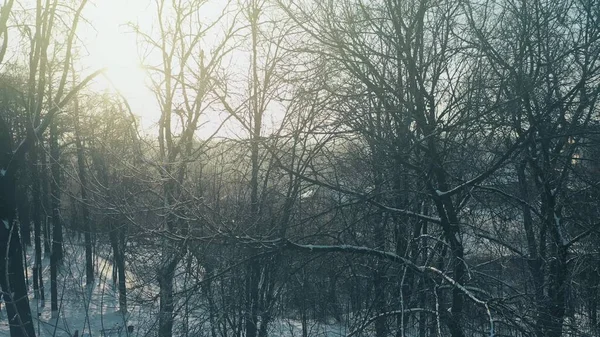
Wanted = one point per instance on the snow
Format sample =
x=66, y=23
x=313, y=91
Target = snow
x=89, y=310
x=5, y=223
x=307, y=194
x=292, y=327
x=559, y=230
x=94, y=311
x=2, y=172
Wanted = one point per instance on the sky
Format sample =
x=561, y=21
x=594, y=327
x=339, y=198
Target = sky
x=110, y=43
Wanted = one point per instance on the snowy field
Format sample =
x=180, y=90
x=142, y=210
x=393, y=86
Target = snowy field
x=94, y=311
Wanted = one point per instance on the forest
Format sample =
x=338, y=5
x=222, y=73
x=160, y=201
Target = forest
x=406, y=168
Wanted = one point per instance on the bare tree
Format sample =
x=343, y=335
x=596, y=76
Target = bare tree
x=182, y=82
x=404, y=83
x=548, y=70
x=13, y=282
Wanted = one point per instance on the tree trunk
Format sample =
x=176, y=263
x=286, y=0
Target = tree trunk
x=165, y=282
x=24, y=209
x=56, y=253
x=450, y=226
x=53, y=283
x=253, y=269
x=12, y=273
x=13, y=279
x=557, y=271
x=379, y=301
x=122, y=279
x=87, y=228
x=45, y=200
x=208, y=292
x=252, y=291
x=117, y=241
x=38, y=283
x=557, y=291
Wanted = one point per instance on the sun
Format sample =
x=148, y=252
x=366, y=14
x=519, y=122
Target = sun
x=110, y=43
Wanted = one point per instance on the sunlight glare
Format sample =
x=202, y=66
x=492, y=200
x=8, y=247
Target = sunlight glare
x=111, y=44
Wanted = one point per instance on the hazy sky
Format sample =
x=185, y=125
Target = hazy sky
x=110, y=43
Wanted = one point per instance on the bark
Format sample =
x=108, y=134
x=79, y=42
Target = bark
x=87, y=228
x=117, y=241
x=45, y=201
x=53, y=283
x=12, y=273
x=24, y=208
x=253, y=269
x=252, y=292
x=380, y=297
x=207, y=290
x=377, y=222
x=120, y=259
x=56, y=253
x=557, y=292
x=264, y=324
x=38, y=283
x=171, y=256
x=165, y=282
x=557, y=271
x=12, y=281
x=535, y=262
x=451, y=229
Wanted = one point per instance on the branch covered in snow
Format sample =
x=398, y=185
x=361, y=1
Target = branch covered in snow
x=386, y=314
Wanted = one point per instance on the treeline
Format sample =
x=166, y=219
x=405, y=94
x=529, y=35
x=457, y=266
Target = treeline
x=403, y=168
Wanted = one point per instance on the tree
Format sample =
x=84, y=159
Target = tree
x=13, y=282
x=89, y=262
x=182, y=82
x=271, y=113
x=114, y=139
x=421, y=168
x=548, y=67
x=405, y=85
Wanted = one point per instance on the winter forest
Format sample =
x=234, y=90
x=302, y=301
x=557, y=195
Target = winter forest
x=299, y=168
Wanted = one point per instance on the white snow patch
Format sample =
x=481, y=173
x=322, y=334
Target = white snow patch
x=93, y=311
x=5, y=223
x=559, y=229
x=2, y=172
x=307, y=194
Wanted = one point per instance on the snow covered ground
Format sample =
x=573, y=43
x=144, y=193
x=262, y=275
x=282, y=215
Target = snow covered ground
x=94, y=311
